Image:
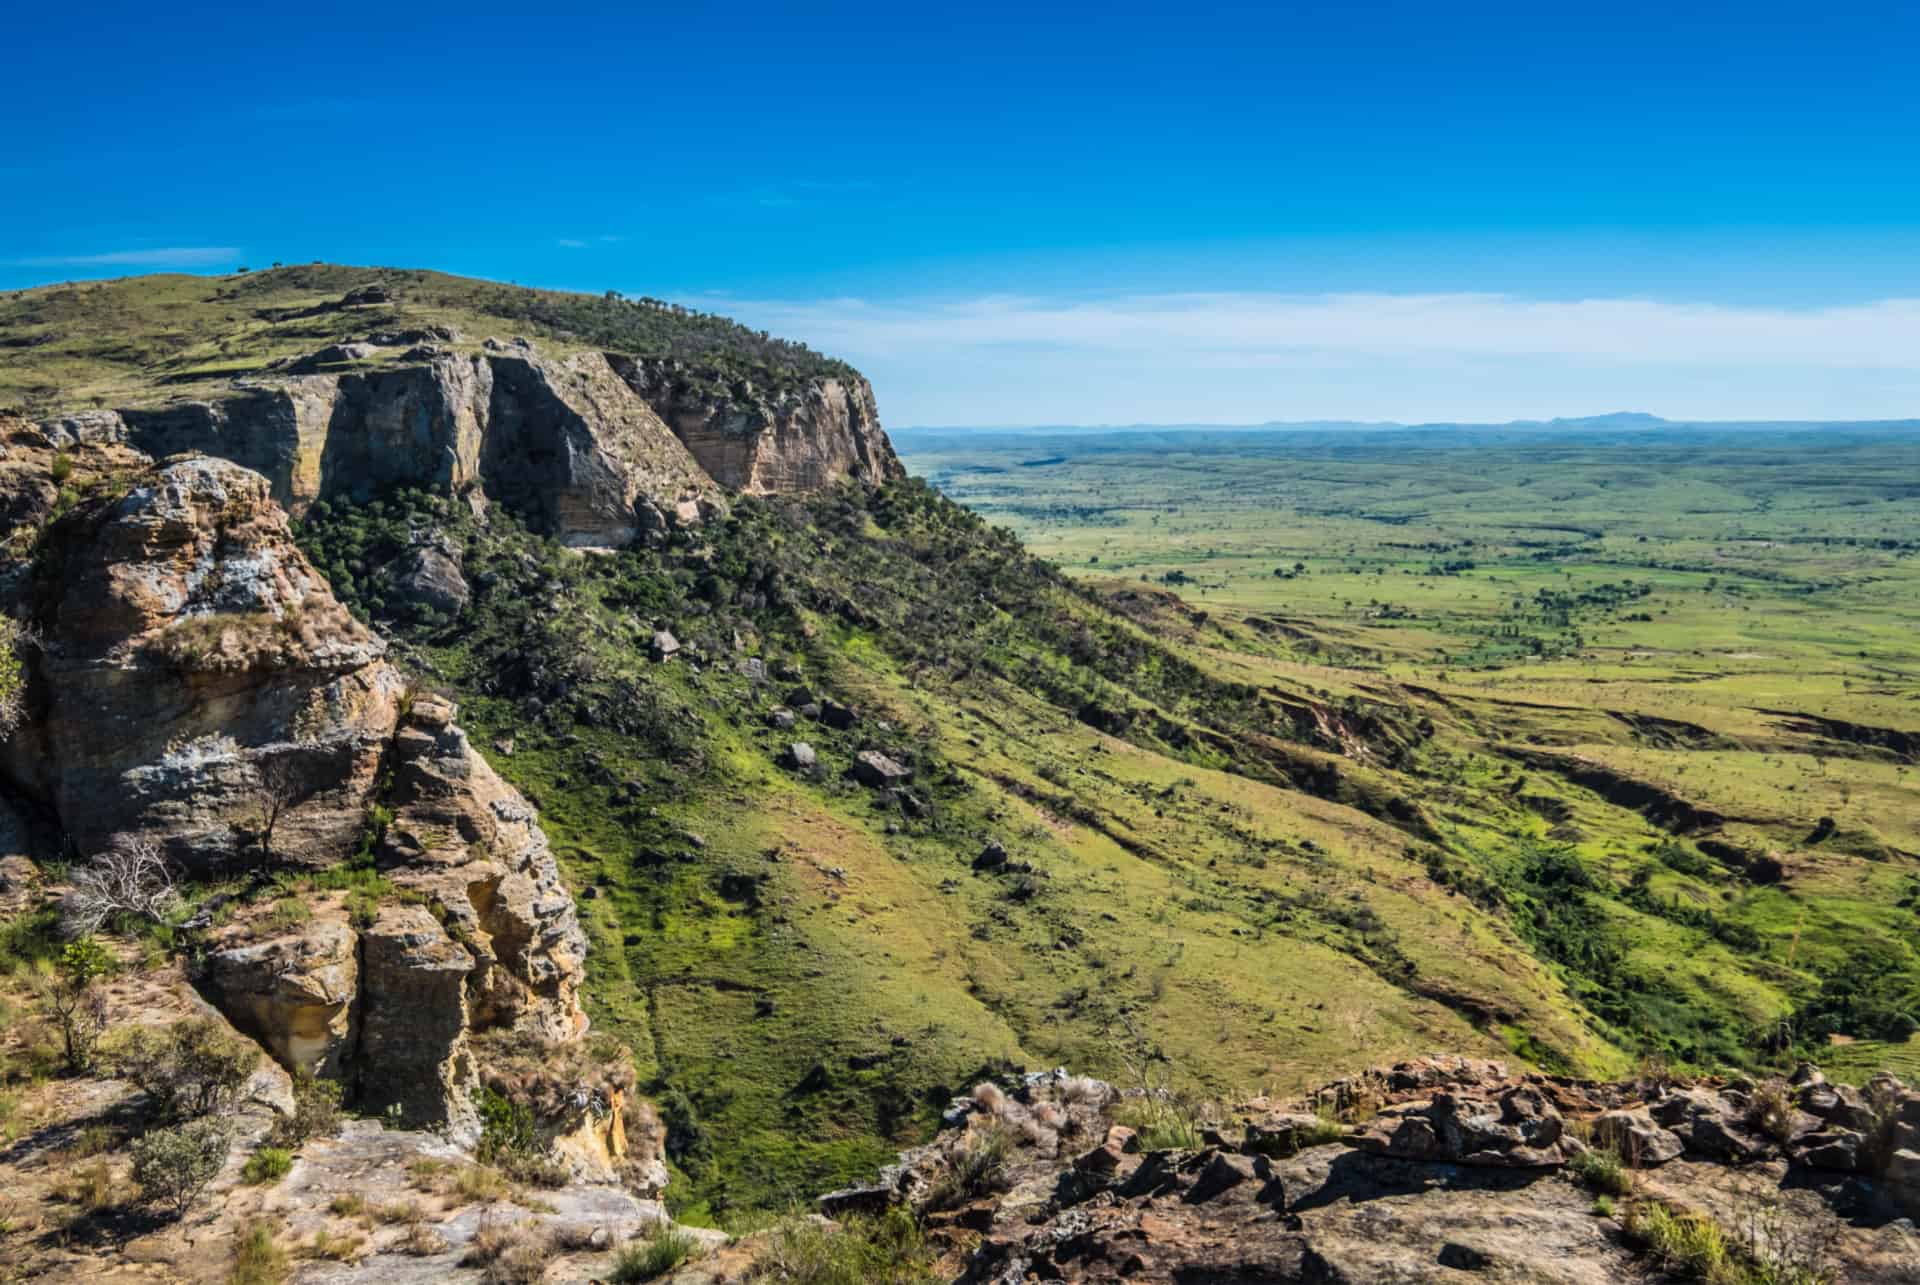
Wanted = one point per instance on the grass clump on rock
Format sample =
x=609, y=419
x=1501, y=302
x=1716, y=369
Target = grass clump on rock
x=664, y=1249
x=885, y=1250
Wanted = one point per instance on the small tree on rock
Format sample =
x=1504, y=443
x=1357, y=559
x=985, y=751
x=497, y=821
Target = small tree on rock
x=278, y=789
x=71, y=994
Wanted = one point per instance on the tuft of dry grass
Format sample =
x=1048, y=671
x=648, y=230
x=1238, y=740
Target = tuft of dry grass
x=410, y=1212
x=510, y=1253
x=350, y=1205
x=88, y=1186
x=343, y=1247
x=258, y=1257
x=1772, y=1110
x=422, y=1241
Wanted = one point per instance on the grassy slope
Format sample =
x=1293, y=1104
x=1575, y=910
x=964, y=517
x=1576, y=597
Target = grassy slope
x=812, y=976
x=1779, y=580
x=1269, y=896
x=136, y=341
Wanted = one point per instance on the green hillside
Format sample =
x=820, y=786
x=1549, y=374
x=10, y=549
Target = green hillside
x=140, y=340
x=1268, y=870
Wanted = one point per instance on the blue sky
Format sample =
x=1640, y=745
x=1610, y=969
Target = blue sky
x=1056, y=214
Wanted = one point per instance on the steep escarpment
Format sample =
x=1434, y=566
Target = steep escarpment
x=624, y=419
x=561, y=441
x=769, y=442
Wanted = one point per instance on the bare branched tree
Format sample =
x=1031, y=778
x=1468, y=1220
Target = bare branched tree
x=278, y=790
x=131, y=878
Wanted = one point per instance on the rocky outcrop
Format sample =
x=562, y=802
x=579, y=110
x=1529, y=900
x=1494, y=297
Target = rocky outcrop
x=200, y=686
x=1511, y=1127
x=483, y=938
x=412, y=1051
x=1443, y=1167
x=470, y=844
x=760, y=442
x=432, y=577
x=562, y=441
x=297, y=993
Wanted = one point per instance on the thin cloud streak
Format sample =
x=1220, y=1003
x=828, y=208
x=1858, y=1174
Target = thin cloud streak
x=180, y=256
x=1253, y=328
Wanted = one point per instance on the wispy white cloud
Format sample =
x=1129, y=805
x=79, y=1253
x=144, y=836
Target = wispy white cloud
x=572, y=243
x=1246, y=327
x=178, y=256
x=582, y=243
x=1249, y=357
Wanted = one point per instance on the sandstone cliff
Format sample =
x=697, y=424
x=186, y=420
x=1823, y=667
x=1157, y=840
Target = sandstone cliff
x=562, y=442
x=201, y=686
x=592, y=448
x=765, y=443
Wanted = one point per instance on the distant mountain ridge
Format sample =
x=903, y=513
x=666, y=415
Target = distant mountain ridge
x=1609, y=420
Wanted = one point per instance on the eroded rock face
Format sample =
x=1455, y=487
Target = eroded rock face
x=297, y=993
x=412, y=1049
x=563, y=442
x=203, y=689
x=764, y=443
x=471, y=843
x=487, y=939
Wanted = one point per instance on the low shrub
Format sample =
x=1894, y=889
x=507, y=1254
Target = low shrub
x=69, y=990
x=316, y=1112
x=190, y=1069
x=174, y=1165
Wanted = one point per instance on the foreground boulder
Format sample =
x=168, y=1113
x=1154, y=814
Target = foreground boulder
x=201, y=692
x=201, y=688
x=1636, y=1138
x=1515, y=1127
